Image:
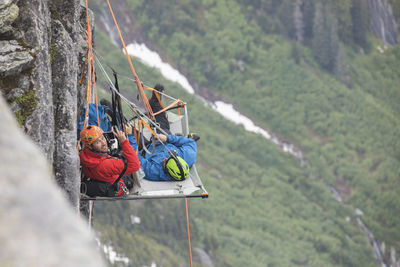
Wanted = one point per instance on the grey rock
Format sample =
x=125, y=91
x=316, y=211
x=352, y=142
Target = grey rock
x=38, y=225
x=66, y=12
x=5, y=4
x=14, y=58
x=8, y=14
x=15, y=93
x=9, y=46
x=15, y=107
x=64, y=72
x=15, y=63
x=23, y=82
x=34, y=22
x=46, y=61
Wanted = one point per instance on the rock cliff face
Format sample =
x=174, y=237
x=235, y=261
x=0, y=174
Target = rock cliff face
x=42, y=49
x=38, y=226
x=383, y=23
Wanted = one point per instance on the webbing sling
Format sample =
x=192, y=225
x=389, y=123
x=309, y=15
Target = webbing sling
x=123, y=171
x=117, y=117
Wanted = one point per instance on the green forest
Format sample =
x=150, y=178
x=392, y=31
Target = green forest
x=308, y=71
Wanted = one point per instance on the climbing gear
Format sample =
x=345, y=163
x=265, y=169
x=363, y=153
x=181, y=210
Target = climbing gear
x=97, y=188
x=145, y=118
x=194, y=136
x=176, y=167
x=104, y=123
x=90, y=134
x=138, y=83
x=121, y=189
x=118, y=118
x=180, y=169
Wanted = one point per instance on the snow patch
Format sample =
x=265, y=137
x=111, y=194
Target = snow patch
x=233, y=115
x=112, y=255
x=135, y=219
x=152, y=59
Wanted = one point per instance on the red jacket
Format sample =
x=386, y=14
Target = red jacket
x=106, y=168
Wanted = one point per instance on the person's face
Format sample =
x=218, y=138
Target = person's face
x=100, y=145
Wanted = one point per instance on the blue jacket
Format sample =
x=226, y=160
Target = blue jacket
x=152, y=164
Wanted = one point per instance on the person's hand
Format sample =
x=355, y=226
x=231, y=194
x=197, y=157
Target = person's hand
x=161, y=137
x=119, y=134
x=128, y=128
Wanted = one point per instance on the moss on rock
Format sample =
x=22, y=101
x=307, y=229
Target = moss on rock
x=28, y=103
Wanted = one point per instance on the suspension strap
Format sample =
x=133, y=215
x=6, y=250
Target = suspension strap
x=89, y=61
x=90, y=69
x=118, y=116
x=140, y=135
x=138, y=83
x=156, y=93
x=176, y=102
x=95, y=92
x=144, y=145
x=148, y=127
x=123, y=171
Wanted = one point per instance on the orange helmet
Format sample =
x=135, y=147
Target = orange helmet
x=90, y=134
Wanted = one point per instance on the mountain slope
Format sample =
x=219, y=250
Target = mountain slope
x=265, y=208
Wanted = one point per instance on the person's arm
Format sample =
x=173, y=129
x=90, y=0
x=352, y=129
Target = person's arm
x=132, y=160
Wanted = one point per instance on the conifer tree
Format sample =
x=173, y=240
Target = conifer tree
x=360, y=18
x=286, y=17
x=325, y=43
x=298, y=20
x=308, y=18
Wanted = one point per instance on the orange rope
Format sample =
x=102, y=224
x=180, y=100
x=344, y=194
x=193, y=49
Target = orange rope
x=188, y=231
x=88, y=93
x=157, y=95
x=158, y=98
x=139, y=84
x=95, y=93
x=90, y=62
x=89, y=40
x=176, y=102
x=90, y=70
x=148, y=127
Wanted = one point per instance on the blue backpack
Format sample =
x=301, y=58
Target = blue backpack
x=105, y=121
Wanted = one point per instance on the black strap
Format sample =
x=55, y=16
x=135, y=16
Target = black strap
x=116, y=104
x=123, y=171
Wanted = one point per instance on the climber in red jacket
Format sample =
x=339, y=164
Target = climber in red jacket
x=98, y=165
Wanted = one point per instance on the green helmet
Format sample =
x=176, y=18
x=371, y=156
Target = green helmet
x=177, y=170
